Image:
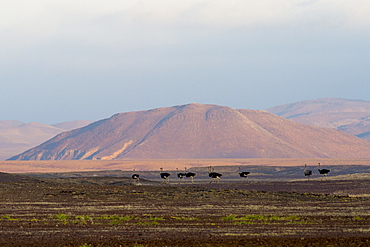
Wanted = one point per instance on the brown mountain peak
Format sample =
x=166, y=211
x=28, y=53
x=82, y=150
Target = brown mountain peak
x=198, y=131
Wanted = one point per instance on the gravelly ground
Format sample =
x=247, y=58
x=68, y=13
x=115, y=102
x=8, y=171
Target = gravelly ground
x=114, y=212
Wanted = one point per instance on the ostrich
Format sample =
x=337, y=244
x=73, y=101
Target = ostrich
x=135, y=177
x=190, y=175
x=244, y=174
x=214, y=175
x=180, y=175
x=307, y=172
x=324, y=172
x=165, y=176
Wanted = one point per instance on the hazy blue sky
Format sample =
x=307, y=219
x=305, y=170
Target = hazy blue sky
x=64, y=60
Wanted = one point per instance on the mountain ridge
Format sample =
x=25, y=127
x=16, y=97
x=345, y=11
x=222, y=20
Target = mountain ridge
x=350, y=116
x=17, y=137
x=197, y=131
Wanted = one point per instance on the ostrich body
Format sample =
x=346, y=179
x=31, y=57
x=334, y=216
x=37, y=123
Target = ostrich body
x=243, y=174
x=135, y=177
x=214, y=175
x=181, y=176
x=323, y=172
x=307, y=172
x=190, y=175
x=165, y=176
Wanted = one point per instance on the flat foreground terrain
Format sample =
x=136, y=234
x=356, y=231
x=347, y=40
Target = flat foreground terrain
x=106, y=211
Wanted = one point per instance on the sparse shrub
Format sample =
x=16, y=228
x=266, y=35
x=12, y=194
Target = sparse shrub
x=126, y=217
x=253, y=217
x=117, y=217
x=229, y=217
x=8, y=217
x=62, y=217
x=85, y=245
x=358, y=218
x=275, y=217
x=104, y=217
x=156, y=218
x=184, y=218
x=83, y=219
x=114, y=222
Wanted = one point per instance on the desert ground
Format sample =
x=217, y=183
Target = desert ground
x=44, y=166
x=109, y=208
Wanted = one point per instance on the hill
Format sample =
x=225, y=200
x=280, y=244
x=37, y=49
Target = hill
x=17, y=137
x=350, y=116
x=196, y=131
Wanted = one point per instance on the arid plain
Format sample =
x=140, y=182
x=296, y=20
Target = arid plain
x=276, y=206
x=167, y=164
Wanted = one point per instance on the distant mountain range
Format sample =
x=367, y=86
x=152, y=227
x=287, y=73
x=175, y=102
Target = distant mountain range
x=350, y=116
x=17, y=137
x=197, y=131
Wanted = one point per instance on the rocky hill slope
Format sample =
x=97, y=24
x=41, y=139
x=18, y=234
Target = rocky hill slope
x=197, y=131
x=17, y=137
x=350, y=116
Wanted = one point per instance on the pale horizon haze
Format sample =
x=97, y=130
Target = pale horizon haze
x=87, y=60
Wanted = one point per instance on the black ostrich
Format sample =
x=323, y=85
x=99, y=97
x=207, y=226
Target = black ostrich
x=165, y=176
x=244, y=174
x=307, y=172
x=190, y=175
x=214, y=175
x=181, y=175
x=323, y=172
x=136, y=178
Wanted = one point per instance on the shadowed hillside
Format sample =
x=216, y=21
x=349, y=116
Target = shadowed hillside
x=196, y=131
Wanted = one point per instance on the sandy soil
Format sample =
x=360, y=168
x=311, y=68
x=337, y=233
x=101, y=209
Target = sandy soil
x=44, y=166
x=106, y=211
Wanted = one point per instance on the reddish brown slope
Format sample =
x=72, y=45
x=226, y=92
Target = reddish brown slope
x=314, y=141
x=198, y=131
